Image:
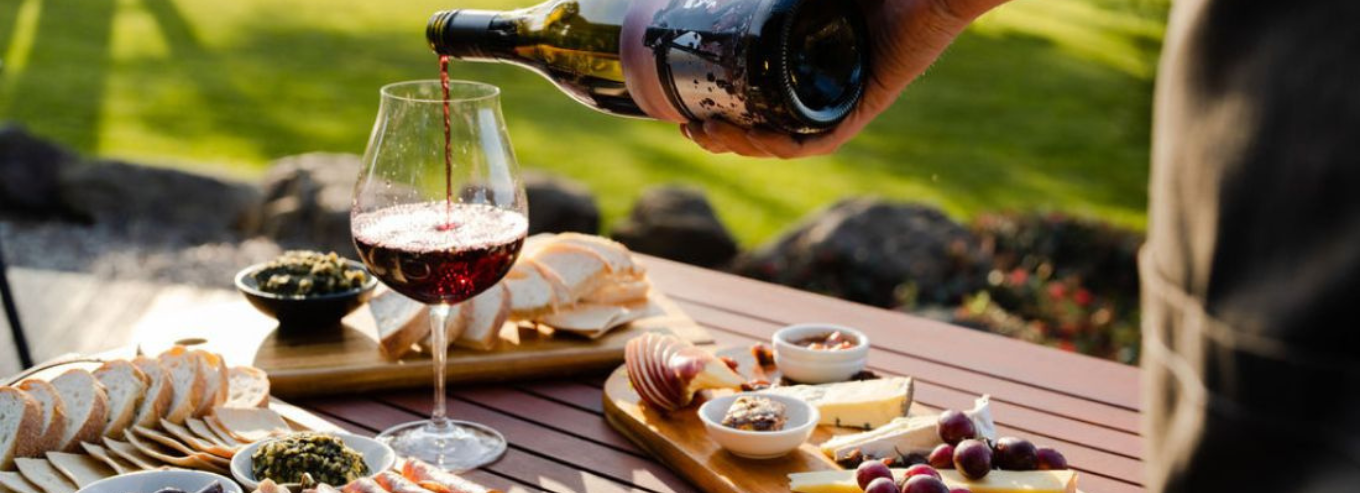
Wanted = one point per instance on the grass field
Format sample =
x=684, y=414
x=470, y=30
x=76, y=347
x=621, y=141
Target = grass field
x=1044, y=104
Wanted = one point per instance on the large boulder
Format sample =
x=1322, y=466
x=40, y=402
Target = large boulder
x=678, y=224
x=191, y=206
x=307, y=201
x=870, y=251
x=559, y=205
x=30, y=172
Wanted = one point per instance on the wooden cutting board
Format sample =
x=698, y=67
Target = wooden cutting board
x=346, y=359
x=679, y=440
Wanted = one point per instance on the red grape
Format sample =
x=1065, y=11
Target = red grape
x=955, y=426
x=921, y=469
x=924, y=484
x=1016, y=454
x=973, y=459
x=882, y=485
x=942, y=457
x=1049, y=459
x=870, y=470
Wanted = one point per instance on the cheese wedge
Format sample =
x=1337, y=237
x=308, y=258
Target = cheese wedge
x=44, y=476
x=865, y=404
x=1064, y=481
x=905, y=436
x=900, y=438
x=250, y=425
x=102, y=454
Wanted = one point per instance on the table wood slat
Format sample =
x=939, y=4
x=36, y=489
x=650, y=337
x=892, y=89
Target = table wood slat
x=991, y=354
x=517, y=464
x=542, y=440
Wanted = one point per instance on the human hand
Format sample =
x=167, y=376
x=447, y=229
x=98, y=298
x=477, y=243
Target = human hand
x=905, y=36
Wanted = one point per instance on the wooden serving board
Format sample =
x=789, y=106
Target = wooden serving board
x=679, y=440
x=347, y=359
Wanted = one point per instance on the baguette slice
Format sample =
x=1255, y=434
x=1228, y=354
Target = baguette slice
x=248, y=387
x=619, y=291
x=188, y=381
x=87, y=408
x=21, y=427
x=160, y=392
x=81, y=469
x=581, y=270
x=102, y=454
x=16, y=482
x=531, y=294
x=126, y=387
x=616, y=257
x=217, y=380
x=41, y=473
x=54, y=412
x=400, y=322
x=481, y=319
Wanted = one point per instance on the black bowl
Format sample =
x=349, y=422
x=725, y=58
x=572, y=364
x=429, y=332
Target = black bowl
x=305, y=312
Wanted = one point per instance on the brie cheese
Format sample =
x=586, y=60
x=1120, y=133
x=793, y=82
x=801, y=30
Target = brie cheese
x=865, y=404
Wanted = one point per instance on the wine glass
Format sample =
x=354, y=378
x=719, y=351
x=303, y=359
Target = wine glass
x=439, y=215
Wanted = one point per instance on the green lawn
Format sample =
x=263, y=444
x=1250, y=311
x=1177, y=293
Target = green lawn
x=1042, y=105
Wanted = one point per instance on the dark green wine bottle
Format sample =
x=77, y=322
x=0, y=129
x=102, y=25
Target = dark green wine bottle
x=795, y=66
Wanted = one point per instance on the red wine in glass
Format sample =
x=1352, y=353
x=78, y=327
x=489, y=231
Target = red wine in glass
x=437, y=252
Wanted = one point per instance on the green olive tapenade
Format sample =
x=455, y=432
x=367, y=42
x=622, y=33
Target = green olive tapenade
x=324, y=457
x=306, y=273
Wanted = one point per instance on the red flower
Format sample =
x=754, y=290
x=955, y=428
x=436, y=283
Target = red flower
x=1057, y=291
x=1018, y=277
x=1082, y=297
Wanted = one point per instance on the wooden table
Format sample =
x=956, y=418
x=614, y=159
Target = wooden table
x=1086, y=407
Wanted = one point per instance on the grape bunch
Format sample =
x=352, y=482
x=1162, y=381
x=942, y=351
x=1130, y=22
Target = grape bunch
x=975, y=456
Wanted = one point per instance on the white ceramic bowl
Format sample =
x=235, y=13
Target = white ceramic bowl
x=801, y=420
x=153, y=481
x=377, y=456
x=805, y=365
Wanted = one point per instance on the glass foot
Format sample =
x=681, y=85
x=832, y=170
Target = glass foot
x=455, y=446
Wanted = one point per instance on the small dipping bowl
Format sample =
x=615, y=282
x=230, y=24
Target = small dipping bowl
x=305, y=313
x=148, y=481
x=801, y=420
x=813, y=366
x=377, y=456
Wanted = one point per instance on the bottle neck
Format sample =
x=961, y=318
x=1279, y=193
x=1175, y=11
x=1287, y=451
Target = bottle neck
x=468, y=34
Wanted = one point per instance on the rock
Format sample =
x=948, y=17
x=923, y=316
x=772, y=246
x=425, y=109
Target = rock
x=874, y=252
x=30, y=172
x=559, y=205
x=678, y=224
x=307, y=201
x=192, y=206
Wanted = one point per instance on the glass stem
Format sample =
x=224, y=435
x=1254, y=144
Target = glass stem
x=439, y=342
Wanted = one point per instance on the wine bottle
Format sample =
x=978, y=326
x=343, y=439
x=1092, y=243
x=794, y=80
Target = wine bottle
x=794, y=66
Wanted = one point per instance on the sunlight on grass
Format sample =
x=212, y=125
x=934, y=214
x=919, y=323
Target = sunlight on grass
x=1043, y=105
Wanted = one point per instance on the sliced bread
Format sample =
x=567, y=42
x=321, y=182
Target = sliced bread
x=247, y=387
x=481, y=319
x=616, y=257
x=617, y=292
x=126, y=387
x=87, y=408
x=54, y=412
x=40, y=472
x=21, y=427
x=217, y=379
x=188, y=381
x=530, y=293
x=400, y=322
x=580, y=270
x=159, y=392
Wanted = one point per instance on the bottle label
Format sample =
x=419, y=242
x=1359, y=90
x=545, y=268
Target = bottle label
x=685, y=60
